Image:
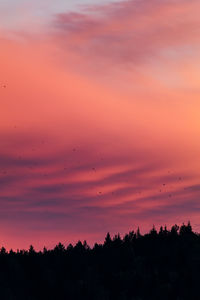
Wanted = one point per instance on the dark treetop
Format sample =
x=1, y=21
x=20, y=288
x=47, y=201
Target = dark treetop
x=159, y=265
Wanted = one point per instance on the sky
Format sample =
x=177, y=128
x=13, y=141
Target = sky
x=99, y=119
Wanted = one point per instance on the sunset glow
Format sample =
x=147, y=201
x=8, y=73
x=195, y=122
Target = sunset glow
x=100, y=120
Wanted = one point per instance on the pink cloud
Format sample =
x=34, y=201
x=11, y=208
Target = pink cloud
x=130, y=31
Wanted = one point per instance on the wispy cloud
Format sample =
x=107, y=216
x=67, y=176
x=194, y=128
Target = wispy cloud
x=132, y=31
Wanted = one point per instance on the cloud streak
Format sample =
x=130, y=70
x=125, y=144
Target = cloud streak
x=131, y=31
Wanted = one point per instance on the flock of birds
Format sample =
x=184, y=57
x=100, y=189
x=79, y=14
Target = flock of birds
x=4, y=172
x=94, y=169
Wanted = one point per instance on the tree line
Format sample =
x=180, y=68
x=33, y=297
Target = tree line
x=163, y=264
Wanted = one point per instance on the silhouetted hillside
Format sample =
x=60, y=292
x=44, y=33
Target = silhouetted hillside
x=159, y=265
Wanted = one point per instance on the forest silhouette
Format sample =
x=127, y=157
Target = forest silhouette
x=161, y=265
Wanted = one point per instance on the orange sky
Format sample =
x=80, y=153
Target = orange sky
x=99, y=125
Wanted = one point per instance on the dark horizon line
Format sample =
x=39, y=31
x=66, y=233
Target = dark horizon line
x=163, y=230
